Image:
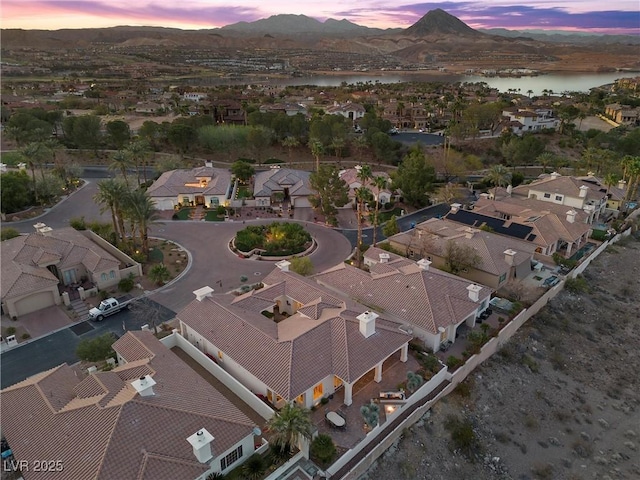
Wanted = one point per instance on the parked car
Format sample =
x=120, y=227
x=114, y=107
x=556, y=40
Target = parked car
x=550, y=281
x=108, y=307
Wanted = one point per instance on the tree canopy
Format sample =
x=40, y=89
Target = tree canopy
x=332, y=192
x=415, y=177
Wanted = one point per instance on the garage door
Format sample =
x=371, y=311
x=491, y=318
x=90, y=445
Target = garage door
x=34, y=302
x=164, y=203
x=301, y=202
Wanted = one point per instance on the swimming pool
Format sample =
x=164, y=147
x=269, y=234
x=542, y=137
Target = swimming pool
x=583, y=251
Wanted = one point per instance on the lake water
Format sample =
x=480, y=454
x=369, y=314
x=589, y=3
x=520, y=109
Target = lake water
x=556, y=82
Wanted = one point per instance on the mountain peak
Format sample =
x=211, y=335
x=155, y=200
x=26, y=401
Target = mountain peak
x=440, y=22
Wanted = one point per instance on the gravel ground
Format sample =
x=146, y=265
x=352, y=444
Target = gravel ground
x=561, y=400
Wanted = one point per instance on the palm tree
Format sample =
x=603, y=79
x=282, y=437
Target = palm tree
x=121, y=161
x=609, y=180
x=33, y=153
x=633, y=171
x=529, y=93
x=380, y=183
x=363, y=194
x=289, y=425
x=544, y=159
x=317, y=149
x=290, y=142
x=111, y=195
x=499, y=175
x=138, y=152
x=141, y=211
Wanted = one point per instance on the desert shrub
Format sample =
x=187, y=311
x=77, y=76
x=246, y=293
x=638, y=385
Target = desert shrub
x=323, y=449
x=453, y=361
x=78, y=223
x=430, y=363
x=576, y=285
x=463, y=437
x=159, y=273
x=126, y=284
x=254, y=467
x=25, y=336
x=543, y=472
x=8, y=233
x=96, y=349
x=11, y=330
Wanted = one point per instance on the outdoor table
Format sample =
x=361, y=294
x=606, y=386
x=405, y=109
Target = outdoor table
x=335, y=419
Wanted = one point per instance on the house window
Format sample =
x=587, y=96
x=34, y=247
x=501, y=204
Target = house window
x=231, y=458
x=215, y=201
x=112, y=274
x=185, y=200
x=103, y=277
x=547, y=195
x=558, y=198
x=502, y=278
x=318, y=391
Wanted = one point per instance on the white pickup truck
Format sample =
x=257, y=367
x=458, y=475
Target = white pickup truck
x=108, y=307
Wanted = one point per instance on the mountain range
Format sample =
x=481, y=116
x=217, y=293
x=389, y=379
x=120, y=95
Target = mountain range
x=436, y=35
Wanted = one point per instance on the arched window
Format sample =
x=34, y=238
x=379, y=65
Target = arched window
x=112, y=274
x=103, y=277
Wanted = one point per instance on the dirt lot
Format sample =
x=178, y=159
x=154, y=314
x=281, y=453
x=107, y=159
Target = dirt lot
x=560, y=401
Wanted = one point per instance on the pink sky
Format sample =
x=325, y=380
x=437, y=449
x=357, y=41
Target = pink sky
x=619, y=16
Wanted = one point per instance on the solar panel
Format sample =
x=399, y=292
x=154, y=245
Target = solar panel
x=516, y=230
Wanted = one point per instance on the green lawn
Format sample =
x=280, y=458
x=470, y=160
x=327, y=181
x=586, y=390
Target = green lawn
x=183, y=213
x=243, y=192
x=212, y=216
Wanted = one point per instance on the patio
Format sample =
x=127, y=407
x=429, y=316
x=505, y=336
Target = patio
x=394, y=372
x=462, y=344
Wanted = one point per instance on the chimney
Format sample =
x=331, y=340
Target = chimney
x=384, y=257
x=39, y=226
x=509, y=255
x=367, y=323
x=555, y=175
x=144, y=386
x=424, y=264
x=622, y=184
x=455, y=207
x=509, y=189
x=201, y=443
x=203, y=293
x=283, y=265
x=474, y=292
x=469, y=233
x=583, y=191
x=571, y=216
x=208, y=163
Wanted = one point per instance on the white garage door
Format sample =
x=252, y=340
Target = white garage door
x=301, y=202
x=164, y=203
x=34, y=302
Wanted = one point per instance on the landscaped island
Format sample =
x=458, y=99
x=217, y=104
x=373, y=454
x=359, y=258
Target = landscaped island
x=275, y=239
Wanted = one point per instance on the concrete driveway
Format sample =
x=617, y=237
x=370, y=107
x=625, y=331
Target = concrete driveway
x=214, y=265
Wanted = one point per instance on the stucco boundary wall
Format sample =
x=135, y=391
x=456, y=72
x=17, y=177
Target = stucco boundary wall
x=455, y=377
x=135, y=267
x=177, y=340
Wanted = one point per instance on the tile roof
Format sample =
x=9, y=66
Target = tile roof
x=433, y=236
x=425, y=299
x=564, y=185
x=24, y=259
x=548, y=220
x=322, y=338
x=174, y=182
x=277, y=179
x=130, y=437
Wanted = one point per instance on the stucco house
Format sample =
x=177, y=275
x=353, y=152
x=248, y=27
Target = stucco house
x=199, y=186
x=350, y=176
x=352, y=111
x=282, y=186
x=551, y=228
x=293, y=340
x=501, y=258
x=150, y=417
x=429, y=303
x=520, y=120
x=583, y=193
x=36, y=266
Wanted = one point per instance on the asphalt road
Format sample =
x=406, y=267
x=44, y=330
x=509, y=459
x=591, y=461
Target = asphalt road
x=60, y=347
x=404, y=223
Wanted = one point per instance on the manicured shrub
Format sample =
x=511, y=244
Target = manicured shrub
x=323, y=449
